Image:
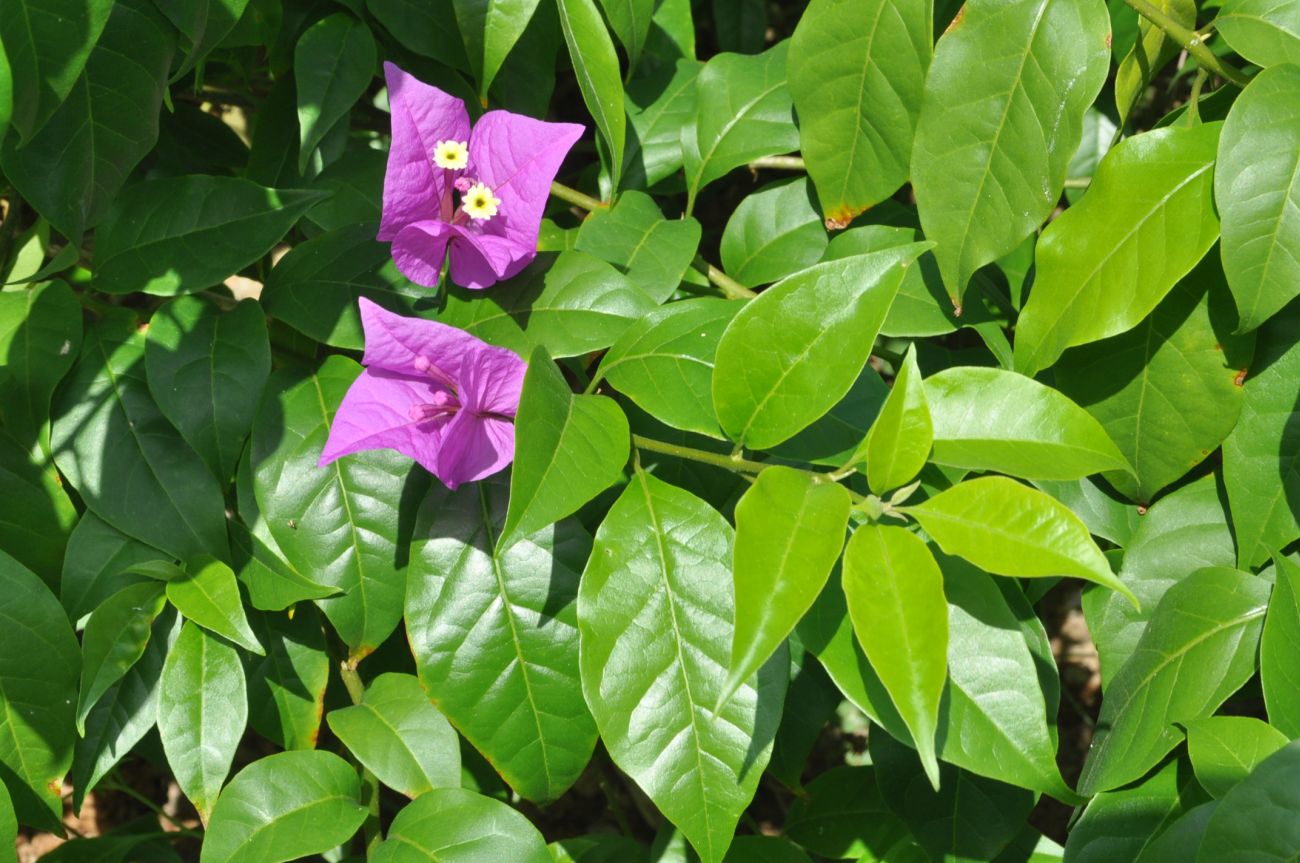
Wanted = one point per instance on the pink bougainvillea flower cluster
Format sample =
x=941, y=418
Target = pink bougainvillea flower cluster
x=431, y=392
x=480, y=191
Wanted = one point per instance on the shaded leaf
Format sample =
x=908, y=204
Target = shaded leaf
x=333, y=62
x=452, y=825
x=1279, y=646
x=1225, y=749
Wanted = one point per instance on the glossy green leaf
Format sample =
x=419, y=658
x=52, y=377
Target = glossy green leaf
x=895, y=596
x=208, y=594
x=273, y=584
x=40, y=335
x=633, y=235
x=857, y=71
x=664, y=362
x=1198, y=649
x=990, y=419
x=764, y=849
x=660, y=107
x=773, y=233
x=283, y=807
x=1103, y=512
x=48, y=43
x=1278, y=648
x=333, y=63
x=37, y=723
x=1002, y=115
x=205, y=24
x=789, y=532
x=115, y=637
x=1184, y=531
x=206, y=371
x=1011, y=529
x=183, y=234
x=341, y=523
x=1226, y=749
x=654, y=658
x=1256, y=821
x=1257, y=191
x=1265, y=32
x=898, y=444
x=1167, y=391
x=202, y=710
x=1261, y=458
x=844, y=817
x=570, y=449
x=286, y=687
x=1149, y=54
x=1109, y=261
x=1120, y=825
x=572, y=304
x=452, y=825
x=97, y=563
x=108, y=436
x=742, y=111
x=104, y=125
x=36, y=516
x=596, y=66
x=495, y=636
x=794, y=352
x=399, y=736
x=490, y=29
x=1182, y=838
x=630, y=20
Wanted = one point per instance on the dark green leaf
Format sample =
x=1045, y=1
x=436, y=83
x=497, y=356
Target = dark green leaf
x=630, y=21
x=844, y=817
x=1259, y=820
x=36, y=516
x=1278, y=649
x=115, y=637
x=596, y=66
x=97, y=565
x=48, y=44
x=427, y=28
x=205, y=23
x=452, y=825
x=489, y=30
x=286, y=688
x=333, y=63
x=659, y=107
x=1181, y=839
x=1120, y=825
x=40, y=335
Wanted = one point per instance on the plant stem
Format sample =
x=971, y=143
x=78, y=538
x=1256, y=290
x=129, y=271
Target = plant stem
x=780, y=163
x=1191, y=40
x=356, y=691
x=573, y=196
x=727, y=462
x=123, y=788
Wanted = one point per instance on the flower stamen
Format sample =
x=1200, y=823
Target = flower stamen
x=451, y=155
x=479, y=202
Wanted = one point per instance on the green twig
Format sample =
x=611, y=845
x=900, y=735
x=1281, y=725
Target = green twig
x=1193, y=41
x=356, y=691
x=576, y=198
x=123, y=788
x=779, y=163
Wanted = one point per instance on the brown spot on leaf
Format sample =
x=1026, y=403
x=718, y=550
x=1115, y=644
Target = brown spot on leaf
x=1108, y=38
x=839, y=218
x=961, y=13
x=1240, y=378
x=1142, y=510
x=1218, y=347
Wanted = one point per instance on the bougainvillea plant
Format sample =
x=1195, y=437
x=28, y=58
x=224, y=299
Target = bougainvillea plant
x=566, y=431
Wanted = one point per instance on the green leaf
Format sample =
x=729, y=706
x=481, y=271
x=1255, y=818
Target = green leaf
x=789, y=532
x=36, y=516
x=652, y=251
x=1109, y=260
x=183, y=234
x=108, y=436
x=895, y=596
x=333, y=63
x=796, y=350
x=286, y=688
x=599, y=848
x=206, y=371
x=1226, y=749
x=44, y=335
x=1150, y=53
x=37, y=724
x=1104, y=514
x=512, y=686
x=426, y=28
x=773, y=233
x=1001, y=117
x=272, y=582
x=1011, y=529
x=857, y=71
x=630, y=21
x=570, y=449
x=1120, y=825
x=572, y=304
x=1261, y=458
x=202, y=710
x=1256, y=821
x=1278, y=648
x=1182, y=839
x=1257, y=191
x=283, y=807
x=1184, y=531
x=844, y=817
x=399, y=736
x=341, y=523
x=1265, y=32
x=898, y=444
x=764, y=849
x=664, y=362
x=596, y=67
x=115, y=637
x=1167, y=391
x=742, y=111
x=740, y=25
x=103, y=126
x=990, y=419
x=654, y=657
x=205, y=24
x=208, y=594
x=453, y=825
x=97, y=565
x=48, y=44
x=489, y=30
x=124, y=714
x=1198, y=649
x=660, y=108
x=315, y=287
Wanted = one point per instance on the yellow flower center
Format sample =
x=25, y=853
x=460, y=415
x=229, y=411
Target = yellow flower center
x=479, y=202
x=453, y=155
